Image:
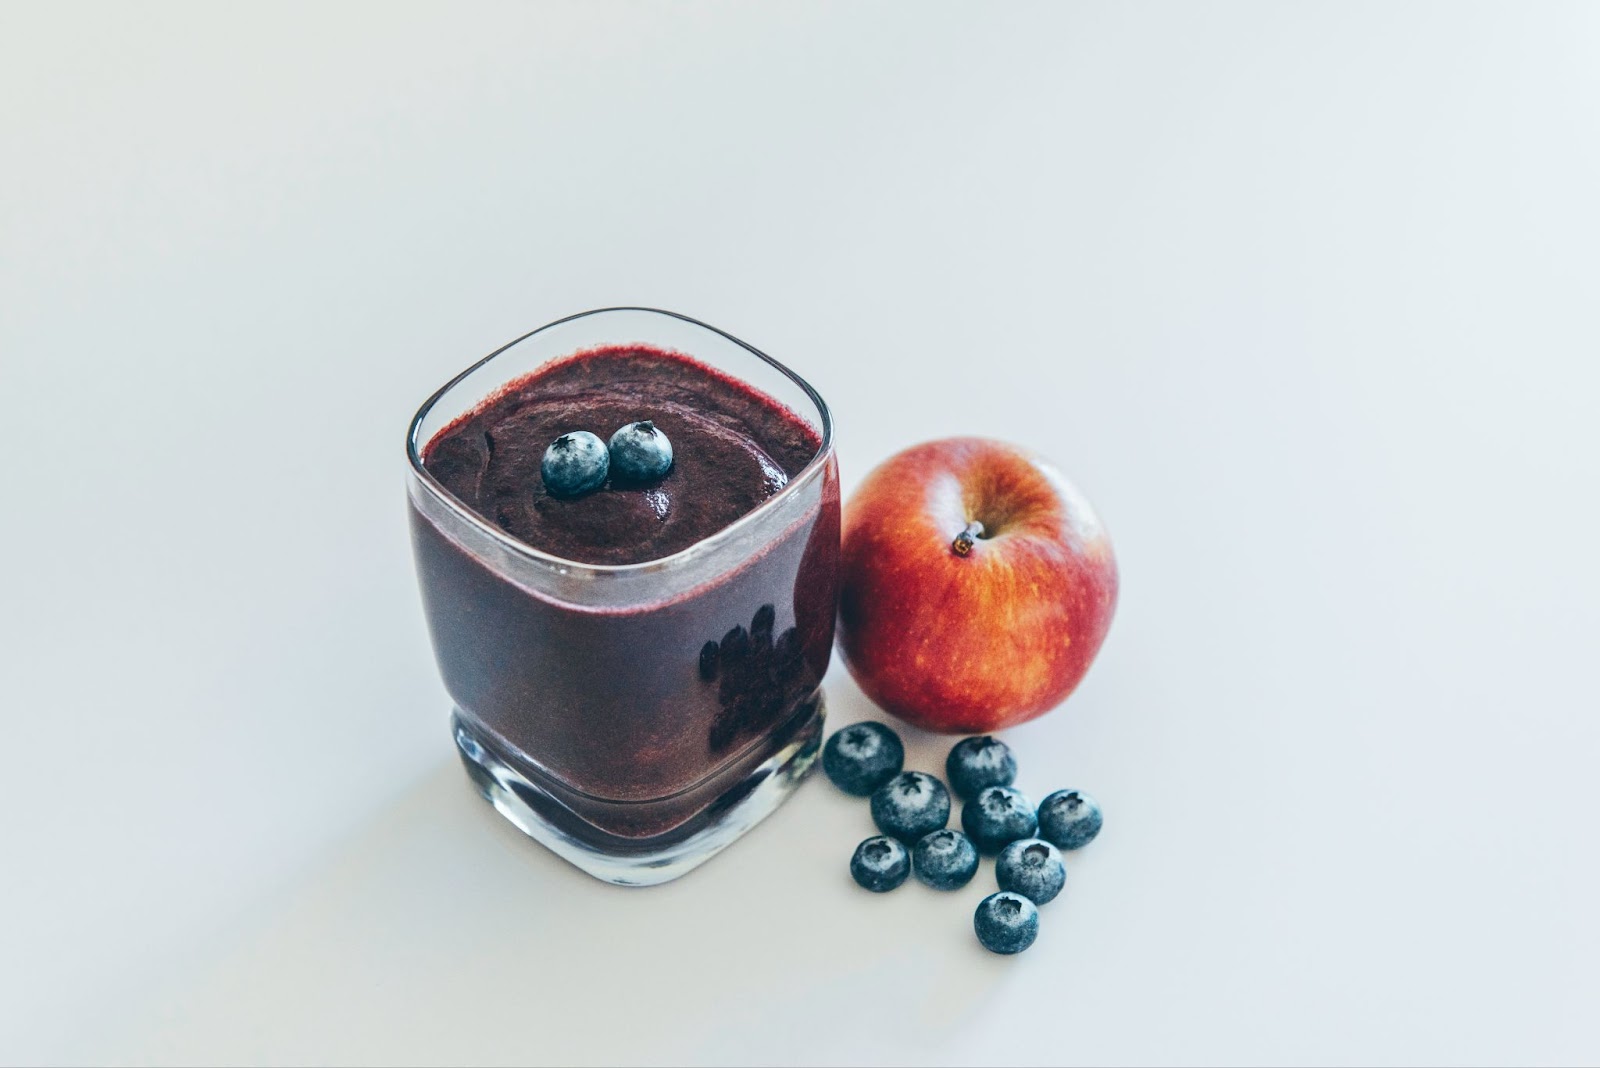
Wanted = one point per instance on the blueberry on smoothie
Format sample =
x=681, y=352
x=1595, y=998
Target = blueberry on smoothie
x=862, y=757
x=944, y=860
x=1031, y=867
x=998, y=816
x=1006, y=922
x=640, y=452
x=880, y=864
x=978, y=762
x=1069, y=819
x=911, y=805
x=574, y=464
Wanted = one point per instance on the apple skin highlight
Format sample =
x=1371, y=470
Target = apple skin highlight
x=961, y=634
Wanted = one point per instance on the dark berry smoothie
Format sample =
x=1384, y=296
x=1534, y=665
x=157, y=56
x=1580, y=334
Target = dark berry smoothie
x=635, y=717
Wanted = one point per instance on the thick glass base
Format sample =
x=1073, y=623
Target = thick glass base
x=536, y=810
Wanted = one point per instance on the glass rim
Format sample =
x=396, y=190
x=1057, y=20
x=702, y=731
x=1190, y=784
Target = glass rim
x=710, y=543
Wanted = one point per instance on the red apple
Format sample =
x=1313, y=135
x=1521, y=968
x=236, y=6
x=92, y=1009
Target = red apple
x=977, y=585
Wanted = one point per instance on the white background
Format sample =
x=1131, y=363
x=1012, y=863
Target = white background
x=1303, y=297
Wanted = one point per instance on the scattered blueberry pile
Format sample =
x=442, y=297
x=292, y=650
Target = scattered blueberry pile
x=579, y=462
x=911, y=808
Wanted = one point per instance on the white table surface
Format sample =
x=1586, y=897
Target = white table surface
x=1304, y=297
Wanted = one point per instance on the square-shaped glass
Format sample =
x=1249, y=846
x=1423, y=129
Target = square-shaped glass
x=634, y=718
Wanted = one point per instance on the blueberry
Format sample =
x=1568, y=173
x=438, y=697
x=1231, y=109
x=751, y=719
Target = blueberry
x=761, y=624
x=862, y=757
x=945, y=860
x=910, y=805
x=735, y=647
x=640, y=452
x=978, y=762
x=880, y=864
x=710, y=653
x=1069, y=819
x=1031, y=867
x=574, y=464
x=997, y=816
x=1006, y=922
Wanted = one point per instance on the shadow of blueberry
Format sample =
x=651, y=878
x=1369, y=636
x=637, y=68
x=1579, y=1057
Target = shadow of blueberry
x=757, y=677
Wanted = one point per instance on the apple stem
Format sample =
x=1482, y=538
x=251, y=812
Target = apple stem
x=964, y=541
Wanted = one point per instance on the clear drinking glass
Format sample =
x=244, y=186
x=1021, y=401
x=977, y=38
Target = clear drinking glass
x=635, y=719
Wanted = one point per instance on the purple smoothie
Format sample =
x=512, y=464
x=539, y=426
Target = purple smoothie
x=634, y=718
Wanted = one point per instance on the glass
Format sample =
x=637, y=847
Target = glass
x=635, y=719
